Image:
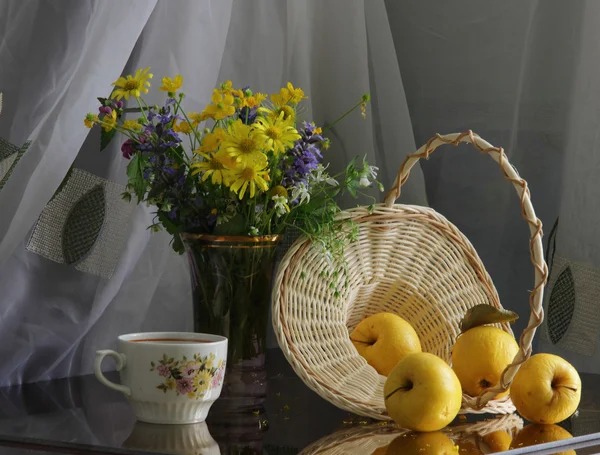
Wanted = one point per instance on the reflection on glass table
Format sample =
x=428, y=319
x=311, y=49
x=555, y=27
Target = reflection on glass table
x=79, y=415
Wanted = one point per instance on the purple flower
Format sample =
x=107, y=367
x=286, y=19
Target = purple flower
x=248, y=115
x=172, y=214
x=304, y=157
x=128, y=148
x=185, y=386
x=163, y=370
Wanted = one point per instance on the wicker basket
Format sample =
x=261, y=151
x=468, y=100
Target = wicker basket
x=409, y=260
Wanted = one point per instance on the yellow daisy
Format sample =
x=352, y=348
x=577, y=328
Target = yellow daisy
x=221, y=107
x=109, y=121
x=244, y=144
x=132, y=85
x=90, y=120
x=289, y=114
x=252, y=176
x=215, y=165
x=171, y=85
x=212, y=141
x=279, y=135
x=132, y=125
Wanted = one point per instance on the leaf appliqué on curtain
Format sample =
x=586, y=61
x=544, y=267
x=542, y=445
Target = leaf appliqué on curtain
x=83, y=225
x=561, y=305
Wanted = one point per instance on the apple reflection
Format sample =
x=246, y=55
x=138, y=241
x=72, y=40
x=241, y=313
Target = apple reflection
x=535, y=434
x=173, y=439
x=483, y=437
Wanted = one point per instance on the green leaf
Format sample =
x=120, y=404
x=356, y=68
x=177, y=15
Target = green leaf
x=152, y=364
x=135, y=172
x=172, y=229
x=486, y=314
x=106, y=137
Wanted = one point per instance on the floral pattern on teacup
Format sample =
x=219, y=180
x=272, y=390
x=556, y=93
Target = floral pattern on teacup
x=191, y=377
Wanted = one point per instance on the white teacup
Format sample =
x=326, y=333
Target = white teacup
x=168, y=377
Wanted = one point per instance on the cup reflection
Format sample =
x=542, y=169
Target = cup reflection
x=173, y=439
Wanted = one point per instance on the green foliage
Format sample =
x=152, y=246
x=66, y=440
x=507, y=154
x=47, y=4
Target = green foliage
x=106, y=137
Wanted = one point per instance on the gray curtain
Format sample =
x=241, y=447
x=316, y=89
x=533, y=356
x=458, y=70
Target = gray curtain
x=522, y=74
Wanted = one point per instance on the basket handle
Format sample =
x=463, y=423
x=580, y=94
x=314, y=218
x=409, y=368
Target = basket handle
x=535, y=243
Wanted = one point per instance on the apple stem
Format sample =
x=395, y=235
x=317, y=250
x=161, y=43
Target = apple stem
x=404, y=387
x=362, y=342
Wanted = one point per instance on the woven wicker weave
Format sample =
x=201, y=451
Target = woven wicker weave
x=409, y=260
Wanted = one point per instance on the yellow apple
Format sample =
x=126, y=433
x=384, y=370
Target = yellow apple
x=384, y=339
x=435, y=443
x=479, y=357
x=546, y=389
x=422, y=393
x=539, y=434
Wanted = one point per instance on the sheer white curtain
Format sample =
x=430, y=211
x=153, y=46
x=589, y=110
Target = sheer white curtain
x=56, y=57
x=525, y=76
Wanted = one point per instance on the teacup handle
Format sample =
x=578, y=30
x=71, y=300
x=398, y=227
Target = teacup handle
x=121, y=362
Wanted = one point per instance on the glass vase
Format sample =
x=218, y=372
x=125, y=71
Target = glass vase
x=231, y=283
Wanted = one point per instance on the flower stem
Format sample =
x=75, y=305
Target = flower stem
x=343, y=116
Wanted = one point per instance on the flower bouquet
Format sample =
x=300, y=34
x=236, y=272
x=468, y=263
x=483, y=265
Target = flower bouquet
x=226, y=183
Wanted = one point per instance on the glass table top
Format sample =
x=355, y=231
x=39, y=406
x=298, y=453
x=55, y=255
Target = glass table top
x=79, y=415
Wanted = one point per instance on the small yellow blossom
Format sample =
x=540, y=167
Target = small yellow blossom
x=226, y=88
x=109, y=121
x=196, y=118
x=171, y=85
x=132, y=125
x=288, y=94
x=251, y=101
x=171, y=383
x=296, y=94
x=212, y=141
x=181, y=126
x=318, y=130
x=221, y=107
x=90, y=120
x=132, y=85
